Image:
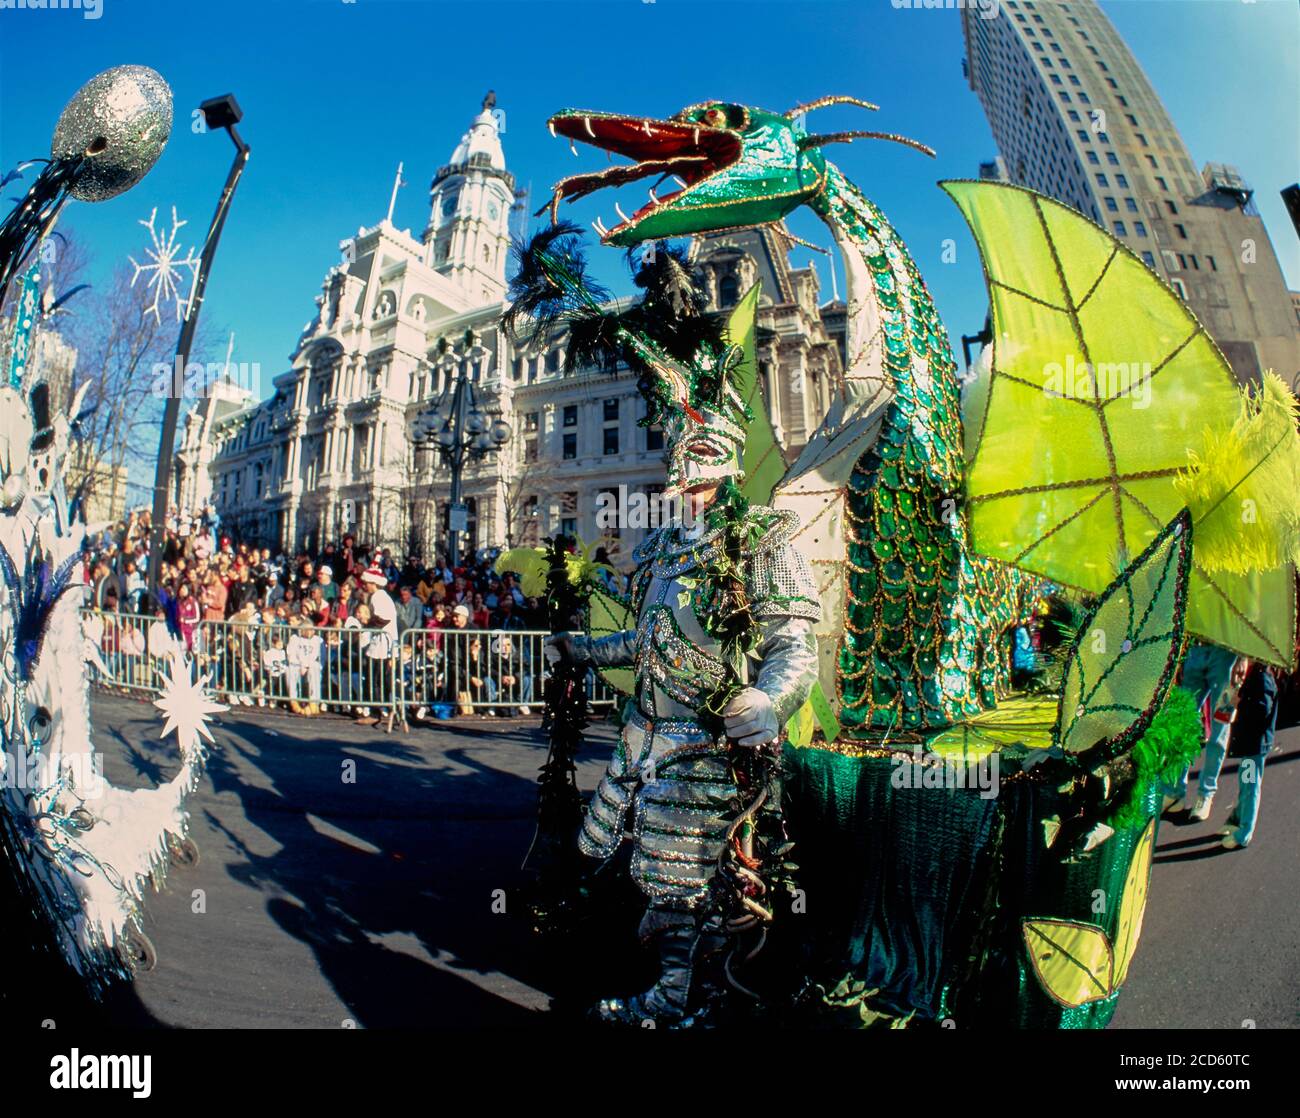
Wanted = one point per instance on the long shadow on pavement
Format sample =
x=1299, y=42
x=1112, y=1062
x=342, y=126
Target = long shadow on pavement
x=389, y=856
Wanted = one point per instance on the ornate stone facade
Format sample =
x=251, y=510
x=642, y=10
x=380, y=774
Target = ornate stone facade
x=329, y=451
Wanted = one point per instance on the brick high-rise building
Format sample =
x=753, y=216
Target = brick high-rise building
x=1075, y=117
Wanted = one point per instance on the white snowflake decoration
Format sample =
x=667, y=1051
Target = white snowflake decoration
x=185, y=703
x=167, y=269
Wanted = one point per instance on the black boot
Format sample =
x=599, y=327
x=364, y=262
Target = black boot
x=672, y=1002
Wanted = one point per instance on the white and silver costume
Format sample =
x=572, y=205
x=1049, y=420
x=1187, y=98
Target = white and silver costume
x=670, y=778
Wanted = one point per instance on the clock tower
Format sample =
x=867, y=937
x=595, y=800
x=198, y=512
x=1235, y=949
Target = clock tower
x=468, y=236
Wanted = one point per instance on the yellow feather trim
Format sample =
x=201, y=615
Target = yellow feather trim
x=1243, y=485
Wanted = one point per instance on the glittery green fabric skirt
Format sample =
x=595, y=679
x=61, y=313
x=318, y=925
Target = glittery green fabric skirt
x=925, y=901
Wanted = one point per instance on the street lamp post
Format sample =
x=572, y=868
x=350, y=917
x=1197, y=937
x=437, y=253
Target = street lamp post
x=219, y=112
x=458, y=428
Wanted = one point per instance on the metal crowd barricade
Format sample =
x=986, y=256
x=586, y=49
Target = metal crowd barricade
x=454, y=671
x=447, y=672
x=125, y=650
x=339, y=668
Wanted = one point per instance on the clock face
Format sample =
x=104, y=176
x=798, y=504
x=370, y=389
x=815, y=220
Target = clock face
x=493, y=211
x=449, y=205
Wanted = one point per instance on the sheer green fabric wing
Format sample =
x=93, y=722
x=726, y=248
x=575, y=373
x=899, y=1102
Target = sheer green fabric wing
x=1124, y=659
x=763, y=463
x=1024, y=723
x=607, y=613
x=1101, y=380
x=1254, y=614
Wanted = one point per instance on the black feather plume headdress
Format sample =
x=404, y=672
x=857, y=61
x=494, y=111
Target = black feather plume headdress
x=551, y=294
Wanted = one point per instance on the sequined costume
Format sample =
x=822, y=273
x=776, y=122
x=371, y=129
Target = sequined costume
x=922, y=506
x=670, y=778
x=673, y=778
x=79, y=855
x=670, y=768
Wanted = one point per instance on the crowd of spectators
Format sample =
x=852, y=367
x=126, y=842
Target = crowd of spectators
x=289, y=622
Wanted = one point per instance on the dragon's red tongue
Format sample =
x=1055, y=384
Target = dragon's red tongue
x=577, y=186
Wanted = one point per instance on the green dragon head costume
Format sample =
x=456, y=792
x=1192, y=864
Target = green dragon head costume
x=917, y=533
x=737, y=166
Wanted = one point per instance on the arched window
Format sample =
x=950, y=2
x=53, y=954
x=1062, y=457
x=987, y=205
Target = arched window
x=728, y=291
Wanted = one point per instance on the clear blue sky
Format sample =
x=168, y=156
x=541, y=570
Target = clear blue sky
x=336, y=93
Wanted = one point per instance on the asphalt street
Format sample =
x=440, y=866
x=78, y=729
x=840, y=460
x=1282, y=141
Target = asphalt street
x=352, y=878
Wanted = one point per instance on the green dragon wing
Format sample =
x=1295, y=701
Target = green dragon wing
x=1103, y=391
x=608, y=613
x=763, y=461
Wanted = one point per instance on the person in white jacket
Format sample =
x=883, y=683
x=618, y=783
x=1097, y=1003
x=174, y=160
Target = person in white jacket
x=381, y=647
x=275, y=666
x=304, y=655
x=311, y=654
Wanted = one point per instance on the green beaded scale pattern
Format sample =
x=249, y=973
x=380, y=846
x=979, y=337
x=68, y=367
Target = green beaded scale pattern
x=924, y=642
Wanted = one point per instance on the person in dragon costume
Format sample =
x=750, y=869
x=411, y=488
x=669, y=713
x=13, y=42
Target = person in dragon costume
x=718, y=594
x=931, y=895
x=672, y=772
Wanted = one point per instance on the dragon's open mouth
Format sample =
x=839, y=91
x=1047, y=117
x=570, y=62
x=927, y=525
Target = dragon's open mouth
x=682, y=150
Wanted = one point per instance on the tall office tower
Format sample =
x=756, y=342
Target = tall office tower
x=1075, y=117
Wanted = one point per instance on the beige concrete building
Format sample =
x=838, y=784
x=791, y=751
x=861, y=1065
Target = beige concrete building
x=1075, y=117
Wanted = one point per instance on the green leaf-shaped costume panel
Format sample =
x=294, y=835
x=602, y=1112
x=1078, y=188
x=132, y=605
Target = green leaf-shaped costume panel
x=1023, y=723
x=763, y=462
x=1100, y=384
x=607, y=613
x=1124, y=659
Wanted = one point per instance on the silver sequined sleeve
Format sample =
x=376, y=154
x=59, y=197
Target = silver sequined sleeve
x=781, y=583
x=613, y=651
x=789, y=656
x=784, y=601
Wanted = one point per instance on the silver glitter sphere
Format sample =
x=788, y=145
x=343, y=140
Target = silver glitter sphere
x=121, y=119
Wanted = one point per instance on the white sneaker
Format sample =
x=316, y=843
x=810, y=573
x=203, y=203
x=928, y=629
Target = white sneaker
x=1173, y=805
x=1201, y=812
x=1229, y=842
x=364, y=712
x=421, y=713
x=525, y=711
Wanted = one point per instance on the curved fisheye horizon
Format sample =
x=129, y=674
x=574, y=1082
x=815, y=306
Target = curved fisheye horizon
x=712, y=517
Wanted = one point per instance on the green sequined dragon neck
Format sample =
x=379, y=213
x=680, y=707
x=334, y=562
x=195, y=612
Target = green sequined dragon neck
x=924, y=619
x=913, y=636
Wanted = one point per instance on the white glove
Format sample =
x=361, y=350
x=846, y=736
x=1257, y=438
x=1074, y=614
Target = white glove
x=558, y=649
x=750, y=718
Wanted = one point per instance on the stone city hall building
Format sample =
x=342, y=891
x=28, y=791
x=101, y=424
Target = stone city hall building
x=330, y=451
